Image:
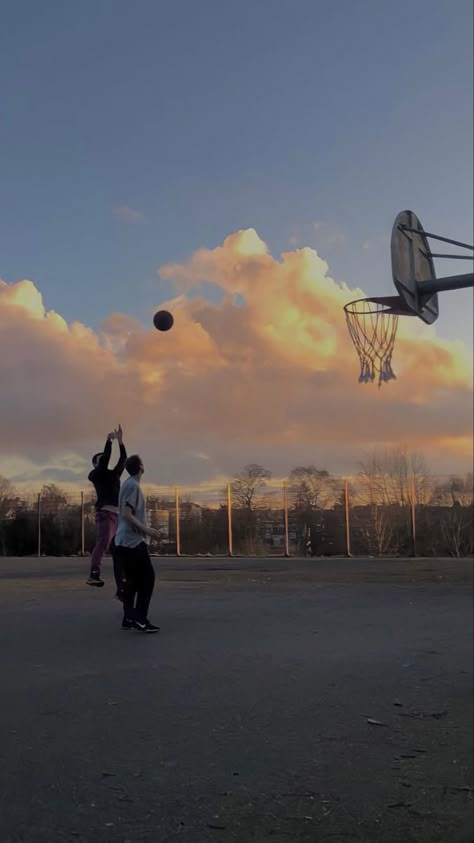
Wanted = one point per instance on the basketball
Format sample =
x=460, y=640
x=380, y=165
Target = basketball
x=163, y=320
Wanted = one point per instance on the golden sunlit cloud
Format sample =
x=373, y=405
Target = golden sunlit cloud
x=268, y=375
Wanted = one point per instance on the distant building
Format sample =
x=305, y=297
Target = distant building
x=190, y=510
x=160, y=520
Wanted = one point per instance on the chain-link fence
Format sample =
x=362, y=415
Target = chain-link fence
x=312, y=515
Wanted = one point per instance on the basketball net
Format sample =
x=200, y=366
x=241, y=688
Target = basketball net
x=373, y=326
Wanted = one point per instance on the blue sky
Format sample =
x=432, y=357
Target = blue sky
x=206, y=116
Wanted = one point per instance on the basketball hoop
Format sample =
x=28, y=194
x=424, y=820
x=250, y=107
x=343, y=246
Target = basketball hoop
x=373, y=326
x=373, y=322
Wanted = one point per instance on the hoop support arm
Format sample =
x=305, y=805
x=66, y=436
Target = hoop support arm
x=451, y=257
x=436, y=237
x=450, y=282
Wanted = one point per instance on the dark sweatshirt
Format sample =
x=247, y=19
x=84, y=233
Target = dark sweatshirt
x=107, y=480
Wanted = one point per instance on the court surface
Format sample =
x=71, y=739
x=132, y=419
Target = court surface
x=247, y=717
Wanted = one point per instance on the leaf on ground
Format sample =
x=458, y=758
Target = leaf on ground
x=436, y=715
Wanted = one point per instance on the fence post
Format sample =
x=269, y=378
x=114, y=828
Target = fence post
x=347, y=518
x=229, y=520
x=83, y=543
x=39, y=524
x=176, y=509
x=413, y=515
x=285, y=513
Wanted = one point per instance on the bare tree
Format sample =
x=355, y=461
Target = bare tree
x=456, y=490
x=312, y=486
x=246, y=487
x=407, y=472
x=312, y=491
x=247, y=484
x=6, y=497
x=388, y=477
x=53, y=499
x=455, y=500
x=6, y=492
x=373, y=486
x=386, y=483
x=373, y=518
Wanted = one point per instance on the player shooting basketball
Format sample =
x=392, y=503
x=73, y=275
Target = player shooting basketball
x=106, y=482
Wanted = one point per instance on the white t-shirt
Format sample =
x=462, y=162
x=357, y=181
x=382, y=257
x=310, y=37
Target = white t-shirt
x=131, y=496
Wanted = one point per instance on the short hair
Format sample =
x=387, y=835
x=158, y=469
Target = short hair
x=96, y=458
x=133, y=464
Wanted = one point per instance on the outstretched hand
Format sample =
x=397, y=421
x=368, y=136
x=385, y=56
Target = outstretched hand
x=119, y=434
x=111, y=436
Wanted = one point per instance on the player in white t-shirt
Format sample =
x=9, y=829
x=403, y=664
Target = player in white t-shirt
x=131, y=543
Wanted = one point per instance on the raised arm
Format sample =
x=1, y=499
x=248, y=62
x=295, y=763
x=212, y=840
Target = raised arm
x=123, y=454
x=105, y=456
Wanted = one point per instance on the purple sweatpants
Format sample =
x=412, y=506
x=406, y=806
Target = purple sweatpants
x=106, y=526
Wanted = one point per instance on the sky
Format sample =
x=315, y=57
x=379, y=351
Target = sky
x=241, y=164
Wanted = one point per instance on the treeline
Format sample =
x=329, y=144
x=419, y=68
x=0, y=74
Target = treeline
x=392, y=506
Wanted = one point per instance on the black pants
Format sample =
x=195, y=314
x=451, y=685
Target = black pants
x=139, y=580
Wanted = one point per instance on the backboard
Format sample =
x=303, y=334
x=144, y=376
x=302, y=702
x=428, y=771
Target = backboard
x=412, y=262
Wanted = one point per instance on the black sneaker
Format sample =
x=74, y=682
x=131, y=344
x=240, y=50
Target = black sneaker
x=126, y=624
x=94, y=579
x=144, y=627
x=151, y=627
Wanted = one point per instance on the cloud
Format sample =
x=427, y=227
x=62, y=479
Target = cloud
x=328, y=236
x=376, y=243
x=130, y=215
x=58, y=379
x=68, y=469
x=272, y=379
